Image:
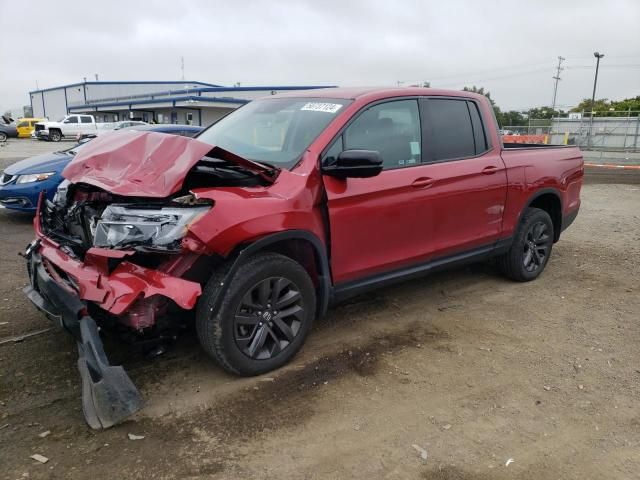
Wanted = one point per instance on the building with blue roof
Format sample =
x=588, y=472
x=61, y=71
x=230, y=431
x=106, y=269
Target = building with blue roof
x=184, y=102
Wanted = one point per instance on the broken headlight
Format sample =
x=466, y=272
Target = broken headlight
x=163, y=228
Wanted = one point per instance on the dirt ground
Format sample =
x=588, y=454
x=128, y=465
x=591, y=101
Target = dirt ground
x=492, y=379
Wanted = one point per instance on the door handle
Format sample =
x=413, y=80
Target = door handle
x=422, y=182
x=490, y=170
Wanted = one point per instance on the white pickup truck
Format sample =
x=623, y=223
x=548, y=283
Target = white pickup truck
x=70, y=126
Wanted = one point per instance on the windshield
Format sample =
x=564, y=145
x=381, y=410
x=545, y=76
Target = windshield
x=275, y=131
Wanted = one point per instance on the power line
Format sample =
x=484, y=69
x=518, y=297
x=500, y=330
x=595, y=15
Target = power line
x=511, y=75
x=497, y=69
x=625, y=65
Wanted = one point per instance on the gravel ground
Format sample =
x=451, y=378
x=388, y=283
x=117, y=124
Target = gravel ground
x=492, y=379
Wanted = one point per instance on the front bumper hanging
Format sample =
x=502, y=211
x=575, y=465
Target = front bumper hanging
x=108, y=394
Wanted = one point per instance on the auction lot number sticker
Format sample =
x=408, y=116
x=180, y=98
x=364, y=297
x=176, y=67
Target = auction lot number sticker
x=322, y=107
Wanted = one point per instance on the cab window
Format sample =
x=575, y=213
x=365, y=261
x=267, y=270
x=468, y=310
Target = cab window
x=452, y=129
x=71, y=120
x=392, y=129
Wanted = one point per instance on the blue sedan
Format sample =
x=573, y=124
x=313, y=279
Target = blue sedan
x=22, y=182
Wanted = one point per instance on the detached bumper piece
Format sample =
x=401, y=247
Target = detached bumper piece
x=108, y=394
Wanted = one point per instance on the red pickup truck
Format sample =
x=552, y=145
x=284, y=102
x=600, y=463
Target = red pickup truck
x=283, y=207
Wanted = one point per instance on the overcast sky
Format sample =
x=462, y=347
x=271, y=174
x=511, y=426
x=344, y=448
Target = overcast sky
x=510, y=47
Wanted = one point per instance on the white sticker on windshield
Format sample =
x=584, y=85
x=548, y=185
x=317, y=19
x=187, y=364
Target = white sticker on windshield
x=322, y=107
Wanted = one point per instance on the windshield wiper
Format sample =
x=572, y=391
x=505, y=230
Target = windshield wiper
x=264, y=164
x=267, y=172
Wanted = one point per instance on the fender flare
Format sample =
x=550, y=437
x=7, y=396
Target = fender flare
x=539, y=193
x=246, y=250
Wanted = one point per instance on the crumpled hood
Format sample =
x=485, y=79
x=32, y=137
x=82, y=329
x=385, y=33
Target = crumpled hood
x=141, y=164
x=147, y=164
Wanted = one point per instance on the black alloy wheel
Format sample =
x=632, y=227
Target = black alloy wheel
x=538, y=242
x=255, y=319
x=531, y=247
x=268, y=318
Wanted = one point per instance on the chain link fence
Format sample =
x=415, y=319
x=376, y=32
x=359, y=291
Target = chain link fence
x=611, y=133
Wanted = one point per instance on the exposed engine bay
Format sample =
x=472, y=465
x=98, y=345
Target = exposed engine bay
x=82, y=216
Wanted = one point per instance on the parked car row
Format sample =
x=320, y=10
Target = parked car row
x=69, y=126
x=76, y=127
x=22, y=182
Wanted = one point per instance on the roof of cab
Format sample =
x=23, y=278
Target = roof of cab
x=353, y=93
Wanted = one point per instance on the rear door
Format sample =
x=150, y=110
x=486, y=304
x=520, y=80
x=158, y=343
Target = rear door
x=470, y=182
x=87, y=124
x=23, y=128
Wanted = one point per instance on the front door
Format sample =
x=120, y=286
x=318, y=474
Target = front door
x=71, y=126
x=381, y=223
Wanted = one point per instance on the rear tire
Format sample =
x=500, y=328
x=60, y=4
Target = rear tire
x=531, y=247
x=55, y=136
x=262, y=319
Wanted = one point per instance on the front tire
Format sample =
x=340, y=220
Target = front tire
x=55, y=136
x=263, y=318
x=3, y=137
x=531, y=247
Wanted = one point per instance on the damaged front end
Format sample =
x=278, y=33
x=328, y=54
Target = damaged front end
x=108, y=394
x=115, y=247
x=94, y=259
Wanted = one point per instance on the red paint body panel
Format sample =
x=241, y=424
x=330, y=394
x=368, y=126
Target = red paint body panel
x=399, y=218
x=117, y=291
x=241, y=214
x=532, y=170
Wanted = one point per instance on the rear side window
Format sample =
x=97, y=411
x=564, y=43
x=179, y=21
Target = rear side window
x=85, y=119
x=390, y=128
x=447, y=129
x=479, y=135
x=23, y=124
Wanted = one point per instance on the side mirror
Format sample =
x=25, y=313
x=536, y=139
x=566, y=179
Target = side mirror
x=355, y=164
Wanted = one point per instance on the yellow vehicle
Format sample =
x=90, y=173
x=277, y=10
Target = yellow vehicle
x=25, y=126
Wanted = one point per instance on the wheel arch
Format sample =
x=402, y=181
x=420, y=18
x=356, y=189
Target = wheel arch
x=549, y=200
x=300, y=245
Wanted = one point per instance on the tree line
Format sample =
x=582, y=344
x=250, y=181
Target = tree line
x=602, y=107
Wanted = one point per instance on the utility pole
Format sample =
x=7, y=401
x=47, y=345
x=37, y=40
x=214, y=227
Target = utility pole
x=182, y=67
x=555, y=86
x=593, y=96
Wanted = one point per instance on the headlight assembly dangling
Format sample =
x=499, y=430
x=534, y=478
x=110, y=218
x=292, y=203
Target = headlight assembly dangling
x=121, y=226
